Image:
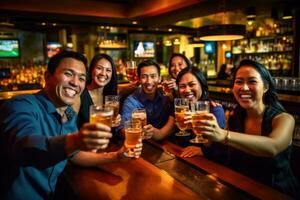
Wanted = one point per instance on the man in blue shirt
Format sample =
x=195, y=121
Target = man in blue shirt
x=158, y=107
x=35, y=139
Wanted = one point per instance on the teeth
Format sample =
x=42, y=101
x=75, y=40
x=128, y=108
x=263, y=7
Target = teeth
x=101, y=79
x=246, y=96
x=70, y=92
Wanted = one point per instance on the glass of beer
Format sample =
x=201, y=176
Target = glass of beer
x=198, y=109
x=113, y=101
x=133, y=136
x=100, y=114
x=131, y=71
x=164, y=84
x=140, y=115
x=181, y=106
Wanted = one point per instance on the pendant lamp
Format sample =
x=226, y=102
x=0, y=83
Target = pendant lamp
x=222, y=32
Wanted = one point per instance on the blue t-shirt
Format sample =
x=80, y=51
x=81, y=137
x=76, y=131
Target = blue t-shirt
x=158, y=110
x=32, y=146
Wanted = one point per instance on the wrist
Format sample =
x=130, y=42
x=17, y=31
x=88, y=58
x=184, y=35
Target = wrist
x=227, y=138
x=72, y=143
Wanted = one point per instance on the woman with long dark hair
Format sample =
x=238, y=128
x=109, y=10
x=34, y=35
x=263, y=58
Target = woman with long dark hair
x=102, y=80
x=260, y=131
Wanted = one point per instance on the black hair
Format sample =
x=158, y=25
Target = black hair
x=111, y=87
x=146, y=63
x=57, y=58
x=186, y=60
x=270, y=97
x=200, y=77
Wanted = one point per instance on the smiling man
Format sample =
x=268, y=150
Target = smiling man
x=35, y=133
x=158, y=107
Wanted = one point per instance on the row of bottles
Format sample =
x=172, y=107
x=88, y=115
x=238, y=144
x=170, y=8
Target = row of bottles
x=22, y=74
x=277, y=63
x=270, y=28
x=278, y=44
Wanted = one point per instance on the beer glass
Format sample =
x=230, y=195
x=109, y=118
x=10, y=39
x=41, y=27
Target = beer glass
x=140, y=115
x=198, y=109
x=181, y=106
x=133, y=136
x=165, y=87
x=100, y=114
x=131, y=71
x=113, y=101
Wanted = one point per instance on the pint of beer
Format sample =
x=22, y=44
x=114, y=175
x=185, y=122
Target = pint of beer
x=113, y=101
x=133, y=135
x=140, y=115
x=100, y=114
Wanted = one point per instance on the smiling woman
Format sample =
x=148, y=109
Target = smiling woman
x=259, y=131
x=102, y=81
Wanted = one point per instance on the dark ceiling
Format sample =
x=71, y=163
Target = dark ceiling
x=149, y=14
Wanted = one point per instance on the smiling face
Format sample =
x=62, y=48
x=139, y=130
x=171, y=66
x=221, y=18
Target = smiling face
x=248, y=88
x=177, y=64
x=149, y=79
x=189, y=87
x=67, y=82
x=102, y=73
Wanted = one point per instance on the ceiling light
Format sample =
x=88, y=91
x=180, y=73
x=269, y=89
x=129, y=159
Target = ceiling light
x=222, y=32
x=287, y=13
x=250, y=12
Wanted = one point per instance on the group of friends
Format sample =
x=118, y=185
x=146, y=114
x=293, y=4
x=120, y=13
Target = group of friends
x=40, y=132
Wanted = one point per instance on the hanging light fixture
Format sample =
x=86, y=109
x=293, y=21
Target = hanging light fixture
x=223, y=31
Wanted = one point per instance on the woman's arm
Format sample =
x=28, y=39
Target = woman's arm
x=268, y=146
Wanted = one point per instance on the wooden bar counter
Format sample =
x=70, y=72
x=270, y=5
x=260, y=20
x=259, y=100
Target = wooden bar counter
x=160, y=174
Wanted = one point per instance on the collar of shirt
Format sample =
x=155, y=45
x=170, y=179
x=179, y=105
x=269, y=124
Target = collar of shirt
x=143, y=97
x=49, y=106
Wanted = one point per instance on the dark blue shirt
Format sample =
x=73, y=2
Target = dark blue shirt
x=32, y=146
x=158, y=110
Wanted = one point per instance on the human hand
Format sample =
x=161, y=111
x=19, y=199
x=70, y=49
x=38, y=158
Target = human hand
x=148, y=131
x=171, y=83
x=191, y=151
x=209, y=127
x=117, y=121
x=135, y=152
x=94, y=136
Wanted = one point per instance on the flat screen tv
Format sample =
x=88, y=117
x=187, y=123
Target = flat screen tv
x=144, y=49
x=9, y=48
x=209, y=48
x=53, y=48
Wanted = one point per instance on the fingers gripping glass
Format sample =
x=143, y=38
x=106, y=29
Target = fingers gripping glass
x=198, y=109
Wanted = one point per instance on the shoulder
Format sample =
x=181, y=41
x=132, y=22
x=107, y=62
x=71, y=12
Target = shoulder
x=283, y=117
x=20, y=104
x=216, y=107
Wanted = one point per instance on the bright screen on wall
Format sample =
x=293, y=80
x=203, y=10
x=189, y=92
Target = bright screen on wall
x=53, y=48
x=144, y=49
x=9, y=48
x=209, y=47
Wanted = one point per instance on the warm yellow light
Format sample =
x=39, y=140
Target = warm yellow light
x=221, y=37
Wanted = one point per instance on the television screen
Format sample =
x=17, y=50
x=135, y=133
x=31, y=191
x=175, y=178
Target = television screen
x=228, y=54
x=9, y=48
x=144, y=49
x=209, y=47
x=53, y=48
